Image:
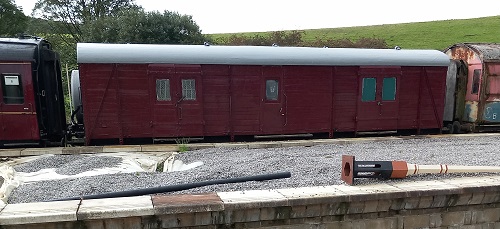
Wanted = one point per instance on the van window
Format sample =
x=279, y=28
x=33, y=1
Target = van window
x=369, y=89
x=189, y=89
x=163, y=89
x=12, y=89
x=475, y=81
x=389, y=89
x=272, y=90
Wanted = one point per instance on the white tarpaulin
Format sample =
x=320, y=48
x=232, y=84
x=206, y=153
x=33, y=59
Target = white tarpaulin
x=131, y=162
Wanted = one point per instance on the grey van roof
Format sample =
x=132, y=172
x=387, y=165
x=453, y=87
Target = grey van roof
x=255, y=55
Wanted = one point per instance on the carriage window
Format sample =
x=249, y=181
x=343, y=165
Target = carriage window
x=12, y=89
x=369, y=89
x=475, y=81
x=163, y=89
x=272, y=90
x=188, y=89
x=389, y=89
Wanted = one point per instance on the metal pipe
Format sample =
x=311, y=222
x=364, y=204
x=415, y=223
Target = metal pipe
x=400, y=169
x=180, y=187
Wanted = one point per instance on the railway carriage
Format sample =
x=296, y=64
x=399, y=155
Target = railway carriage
x=31, y=97
x=473, y=98
x=133, y=91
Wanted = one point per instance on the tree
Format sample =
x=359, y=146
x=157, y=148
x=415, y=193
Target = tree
x=68, y=16
x=137, y=26
x=166, y=28
x=12, y=19
x=108, y=21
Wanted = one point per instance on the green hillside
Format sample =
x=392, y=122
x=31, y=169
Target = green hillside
x=421, y=35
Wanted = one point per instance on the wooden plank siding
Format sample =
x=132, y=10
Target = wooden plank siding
x=120, y=100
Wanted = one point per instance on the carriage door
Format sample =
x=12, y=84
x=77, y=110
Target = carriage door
x=273, y=110
x=188, y=100
x=177, y=104
x=378, y=102
x=17, y=115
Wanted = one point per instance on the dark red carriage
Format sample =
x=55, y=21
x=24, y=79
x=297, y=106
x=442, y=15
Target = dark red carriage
x=133, y=91
x=31, y=98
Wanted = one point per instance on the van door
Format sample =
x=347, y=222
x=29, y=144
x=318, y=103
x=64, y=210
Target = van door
x=473, y=94
x=378, y=102
x=177, y=101
x=189, y=100
x=273, y=109
x=164, y=117
x=17, y=106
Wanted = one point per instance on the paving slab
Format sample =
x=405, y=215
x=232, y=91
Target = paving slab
x=355, y=190
x=379, y=188
x=231, y=145
x=40, y=212
x=424, y=185
x=187, y=203
x=377, y=191
x=313, y=195
x=115, y=208
x=463, y=135
x=495, y=178
x=82, y=149
x=41, y=151
x=293, y=143
x=10, y=152
x=428, y=188
x=198, y=146
x=264, y=145
x=121, y=148
x=252, y=199
x=160, y=148
x=324, y=141
x=467, y=182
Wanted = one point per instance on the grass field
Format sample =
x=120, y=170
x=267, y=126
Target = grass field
x=422, y=35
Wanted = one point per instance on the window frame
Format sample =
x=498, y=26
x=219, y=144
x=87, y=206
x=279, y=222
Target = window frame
x=364, y=92
x=395, y=88
x=276, y=95
x=168, y=87
x=476, y=81
x=6, y=98
x=192, y=90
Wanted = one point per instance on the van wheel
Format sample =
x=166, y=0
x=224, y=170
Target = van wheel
x=43, y=143
x=456, y=127
x=450, y=128
x=64, y=141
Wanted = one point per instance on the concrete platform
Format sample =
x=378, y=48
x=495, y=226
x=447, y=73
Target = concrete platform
x=477, y=201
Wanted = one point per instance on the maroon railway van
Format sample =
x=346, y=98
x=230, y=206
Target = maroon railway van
x=133, y=91
x=31, y=99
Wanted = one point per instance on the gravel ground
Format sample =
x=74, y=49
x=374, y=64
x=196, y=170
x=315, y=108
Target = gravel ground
x=310, y=166
x=69, y=164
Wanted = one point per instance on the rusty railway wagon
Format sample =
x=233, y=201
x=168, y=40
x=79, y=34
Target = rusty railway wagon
x=133, y=91
x=473, y=90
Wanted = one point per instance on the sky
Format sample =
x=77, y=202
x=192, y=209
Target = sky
x=233, y=16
